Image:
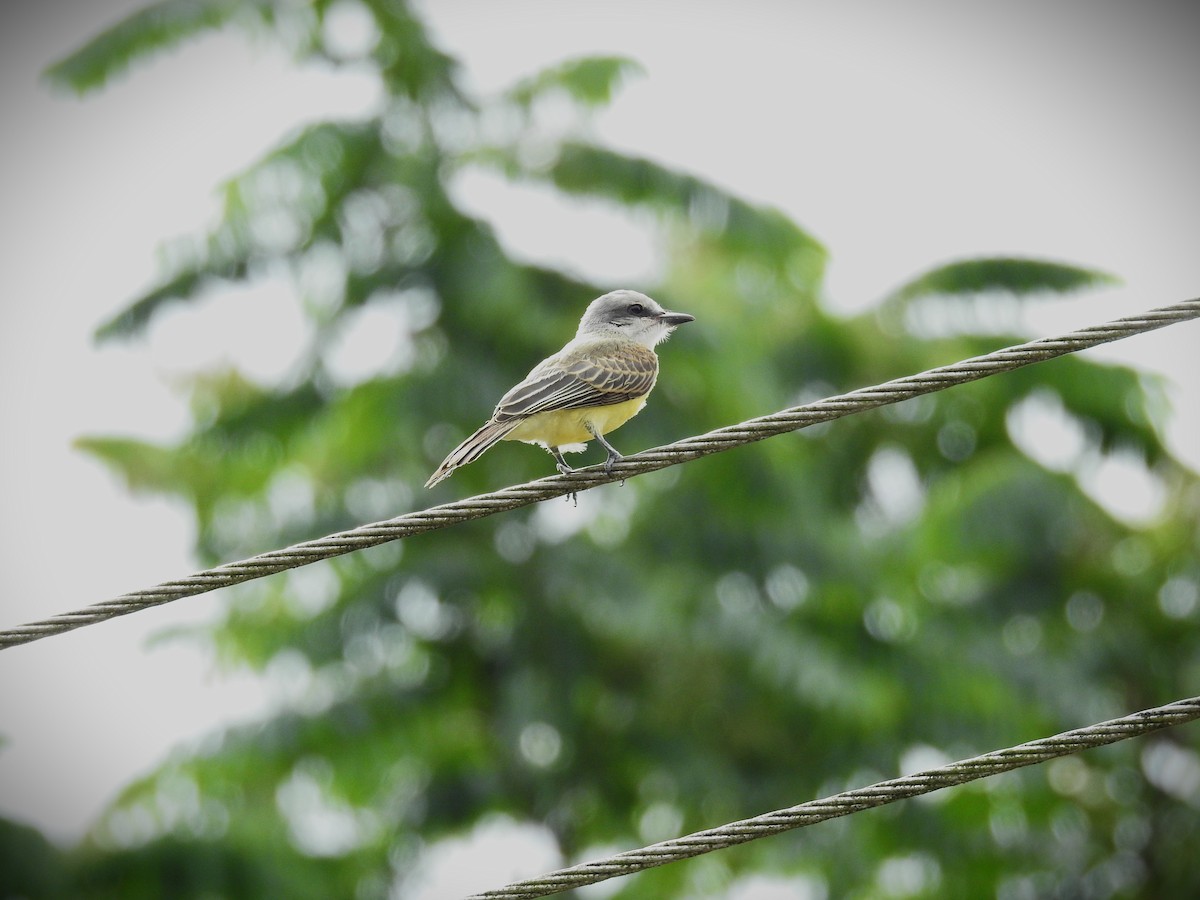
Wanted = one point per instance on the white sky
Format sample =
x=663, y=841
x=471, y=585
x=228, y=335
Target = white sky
x=901, y=135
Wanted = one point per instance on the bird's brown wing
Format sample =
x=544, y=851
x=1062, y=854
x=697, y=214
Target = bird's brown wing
x=599, y=374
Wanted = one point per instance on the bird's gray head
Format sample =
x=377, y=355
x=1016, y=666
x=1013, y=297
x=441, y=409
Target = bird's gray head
x=630, y=315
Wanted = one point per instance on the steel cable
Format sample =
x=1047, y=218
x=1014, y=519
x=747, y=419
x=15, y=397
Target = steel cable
x=847, y=802
x=757, y=429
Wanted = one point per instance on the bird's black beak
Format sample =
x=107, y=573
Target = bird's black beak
x=673, y=318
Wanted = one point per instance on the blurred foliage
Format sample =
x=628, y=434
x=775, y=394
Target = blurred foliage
x=157, y=27
x=590, y=81
x=706, y=643
x=1017, y=276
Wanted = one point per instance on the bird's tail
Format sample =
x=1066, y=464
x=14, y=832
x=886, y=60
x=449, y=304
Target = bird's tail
x=471, y=449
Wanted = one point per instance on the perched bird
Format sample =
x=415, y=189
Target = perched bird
x=594, y=384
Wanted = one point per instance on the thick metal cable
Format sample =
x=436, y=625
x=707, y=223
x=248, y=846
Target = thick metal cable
x=847, y=802
x=647, y=461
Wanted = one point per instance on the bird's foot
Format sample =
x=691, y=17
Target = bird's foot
x=563, y=469
x=613, y=458
x=559, y=462
x=613, y=454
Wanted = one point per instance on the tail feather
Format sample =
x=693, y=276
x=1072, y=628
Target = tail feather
x=471, y=449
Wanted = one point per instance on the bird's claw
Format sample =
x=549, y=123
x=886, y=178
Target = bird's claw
x=613, y=459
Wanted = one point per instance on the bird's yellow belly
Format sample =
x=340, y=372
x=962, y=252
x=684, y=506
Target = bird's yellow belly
x=563, y=427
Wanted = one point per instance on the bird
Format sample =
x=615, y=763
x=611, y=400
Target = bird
x=593, y=385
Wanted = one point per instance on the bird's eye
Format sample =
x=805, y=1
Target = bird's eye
x=637, y=309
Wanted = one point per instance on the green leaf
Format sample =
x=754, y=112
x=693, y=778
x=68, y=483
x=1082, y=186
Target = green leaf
x=1121, y=404
x=142, y=465
x=184, y=284
x=1021, y=277
x=410, y=64
x=148, y=31
x=587, y=170
x=591, y=81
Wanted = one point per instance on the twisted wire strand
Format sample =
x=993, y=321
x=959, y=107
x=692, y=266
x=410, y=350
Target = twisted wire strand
x=847, y=802
x=681, y=451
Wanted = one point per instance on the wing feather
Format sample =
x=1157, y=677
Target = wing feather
x=598, y=374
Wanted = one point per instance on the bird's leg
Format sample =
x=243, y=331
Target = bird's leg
x=563, y=469
x=613, y=454
x=559, y=462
